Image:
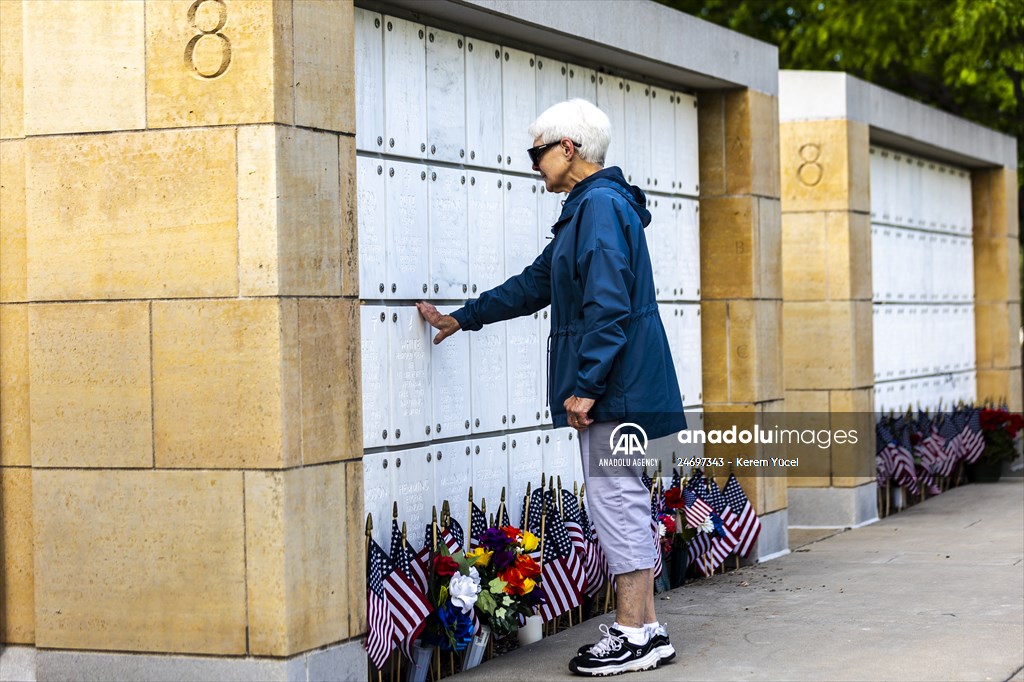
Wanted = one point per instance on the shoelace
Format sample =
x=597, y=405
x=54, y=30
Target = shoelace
x=608, y=642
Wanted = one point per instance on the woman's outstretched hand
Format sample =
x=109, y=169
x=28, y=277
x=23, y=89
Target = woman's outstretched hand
x=445, y=324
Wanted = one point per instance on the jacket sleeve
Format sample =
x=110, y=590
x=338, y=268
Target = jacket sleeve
x=605, y=274
x=523, y=294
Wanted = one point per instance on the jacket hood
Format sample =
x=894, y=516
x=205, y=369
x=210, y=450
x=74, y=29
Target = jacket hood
x=611, y=178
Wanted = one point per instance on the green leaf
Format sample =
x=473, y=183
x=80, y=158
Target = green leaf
x=497, y=586
x=485, y=602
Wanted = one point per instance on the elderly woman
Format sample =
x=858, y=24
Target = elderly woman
x=608, y=354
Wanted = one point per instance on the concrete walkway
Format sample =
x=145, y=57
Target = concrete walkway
x=933, y=593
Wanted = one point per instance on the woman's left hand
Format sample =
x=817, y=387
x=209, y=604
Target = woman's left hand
x=576, y=410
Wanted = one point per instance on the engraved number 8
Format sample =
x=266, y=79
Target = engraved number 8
x=222, y=19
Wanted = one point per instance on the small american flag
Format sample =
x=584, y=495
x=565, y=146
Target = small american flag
x=532, y=523
x=380, y=629
x=696, y=548
x=695, y=479
x=749, y=526
x=722, y=547
x=405, y=560
x=503, y=519
x=971, y=437
x=477, y=526
x=572, y=518
x=595, y=565
x=695, y=510
x=562, y=572
x=409, y=605
x=676, y=481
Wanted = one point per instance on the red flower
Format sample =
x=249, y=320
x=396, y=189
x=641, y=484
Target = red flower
x=669, y=523
x=527, y=566
x=674, y=498
x=511, y=533
x=445, y=566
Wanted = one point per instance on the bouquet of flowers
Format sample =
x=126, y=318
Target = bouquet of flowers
x=1000, y=428
x=454, y=590
x=509, y=576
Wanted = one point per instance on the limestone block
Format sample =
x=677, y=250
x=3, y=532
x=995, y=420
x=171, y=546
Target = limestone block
x=861, y=400
x=754, y=362
x=349, y=231
x=863, y=345
x=804, y=264
x=768, y=265
x=711, y=143
x=324, y=64
x=849, y=255
x=216, y=63
x=827, y=344
x=17, y=608
x=225, y=384
x=816, y=166
x=807, y=401
x=774, y=494
x=714, y=335
x=84, y=66
x=355, y=550
x=132, y=215
x=751, y=143
x=295, y=559
x=1010, y=194
x=89, y=397
x=996, y=335
x=290, y=221
x=12, y=227
x=1016, y=390
x=984, y=343
x=140, y=560
x=15, y=444
x=728, y=230
x=806, y=406
x=858, y=150
x=994, y=202
x=992, y=267
x=329, y=360
x=11, y=70
x=768, y=327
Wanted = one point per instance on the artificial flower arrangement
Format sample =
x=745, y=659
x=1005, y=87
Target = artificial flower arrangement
x=454, y=590
x=510, y=577
x=1000, y=429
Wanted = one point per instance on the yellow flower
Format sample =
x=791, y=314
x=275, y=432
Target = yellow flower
x=530, y=541
x=483, y=556
x=528, y=585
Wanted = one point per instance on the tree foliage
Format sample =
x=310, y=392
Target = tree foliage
x=963, y=56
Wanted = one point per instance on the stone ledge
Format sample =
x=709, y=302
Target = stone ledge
x=345, y=661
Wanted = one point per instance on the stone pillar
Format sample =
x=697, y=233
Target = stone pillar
x=997, y=285
x=181, y=441
x=827, y=313
x=741, y=304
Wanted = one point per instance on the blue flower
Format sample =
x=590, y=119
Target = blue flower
x=456, y=625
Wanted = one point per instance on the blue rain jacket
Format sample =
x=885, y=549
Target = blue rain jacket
x=607, y=341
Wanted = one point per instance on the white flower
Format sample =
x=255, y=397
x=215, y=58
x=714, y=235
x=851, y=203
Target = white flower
x=661, y=529
x=706, y=526
x=463, y=590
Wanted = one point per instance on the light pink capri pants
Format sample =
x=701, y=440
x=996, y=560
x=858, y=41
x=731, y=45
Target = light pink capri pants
x=619, y=505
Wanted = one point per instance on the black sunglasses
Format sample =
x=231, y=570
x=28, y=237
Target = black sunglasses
x=538, y=151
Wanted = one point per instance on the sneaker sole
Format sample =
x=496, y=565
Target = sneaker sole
x=648, y=662
x=665, y=653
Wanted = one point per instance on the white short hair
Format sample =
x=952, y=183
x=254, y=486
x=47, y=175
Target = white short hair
x=578, y=120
